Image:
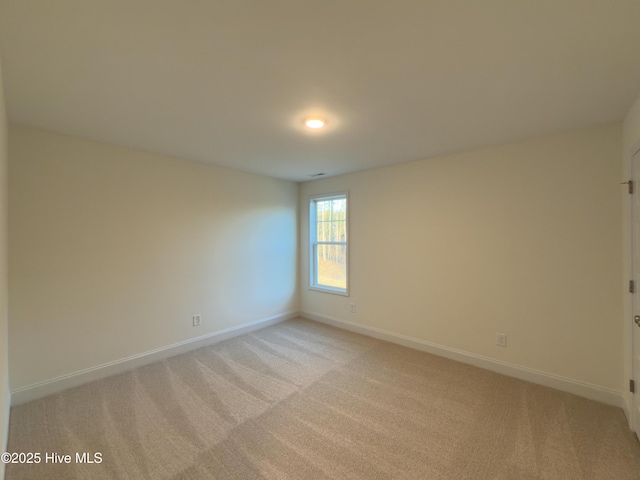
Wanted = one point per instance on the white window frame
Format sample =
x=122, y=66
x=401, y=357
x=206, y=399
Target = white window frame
x=313, y=244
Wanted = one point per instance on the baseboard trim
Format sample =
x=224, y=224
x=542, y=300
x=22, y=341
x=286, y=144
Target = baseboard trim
x=63, y=382
x=586, y=390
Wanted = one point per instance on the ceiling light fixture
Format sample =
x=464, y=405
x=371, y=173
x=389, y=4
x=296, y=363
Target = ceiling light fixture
x=314, y=122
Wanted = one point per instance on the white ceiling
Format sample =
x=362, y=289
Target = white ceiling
x=229, y=82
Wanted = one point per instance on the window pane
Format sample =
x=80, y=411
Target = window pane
x=332, y=266
x=331, y=220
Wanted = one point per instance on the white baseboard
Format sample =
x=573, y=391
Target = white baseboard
x=55, y=385
x=564, y=384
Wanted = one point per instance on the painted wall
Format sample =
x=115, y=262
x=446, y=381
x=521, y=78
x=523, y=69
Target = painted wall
x=630, y=139
x=522, y=239
x=113, y=250
x=5, y=400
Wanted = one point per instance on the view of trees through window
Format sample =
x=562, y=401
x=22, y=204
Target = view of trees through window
x=331, y=242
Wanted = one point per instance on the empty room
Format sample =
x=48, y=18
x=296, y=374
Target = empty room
x=320, y=240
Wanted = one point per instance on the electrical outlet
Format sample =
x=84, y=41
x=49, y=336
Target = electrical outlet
x=501, y=339
x=352, y=307
x=196, y=320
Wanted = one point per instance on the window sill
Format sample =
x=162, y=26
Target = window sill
x=333, y=291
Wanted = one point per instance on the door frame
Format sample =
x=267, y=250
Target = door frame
x=627, y=326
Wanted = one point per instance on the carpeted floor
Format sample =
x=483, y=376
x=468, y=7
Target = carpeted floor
x=301, y=400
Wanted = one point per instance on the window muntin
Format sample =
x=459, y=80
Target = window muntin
x=329, y=243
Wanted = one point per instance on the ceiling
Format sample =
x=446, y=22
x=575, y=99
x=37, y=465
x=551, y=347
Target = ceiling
x=229, y=82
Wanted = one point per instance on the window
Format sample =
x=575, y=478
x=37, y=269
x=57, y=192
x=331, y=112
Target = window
x=329, y=249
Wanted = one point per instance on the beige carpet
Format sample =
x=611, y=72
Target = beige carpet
x=301, y=400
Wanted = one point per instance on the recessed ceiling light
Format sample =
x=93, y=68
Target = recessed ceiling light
x=315, y=175
x=314, y=122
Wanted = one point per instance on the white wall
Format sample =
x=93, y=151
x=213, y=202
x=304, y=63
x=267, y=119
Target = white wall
x=113, y=250
x=5, y=400
x=523, y=239
x=630, y=139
